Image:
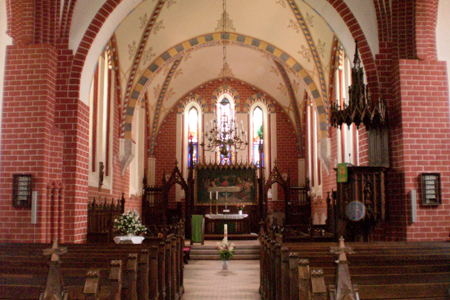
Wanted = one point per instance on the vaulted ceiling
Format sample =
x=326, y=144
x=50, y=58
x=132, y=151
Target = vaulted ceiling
x=168, y=49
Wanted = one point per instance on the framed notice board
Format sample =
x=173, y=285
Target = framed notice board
x=431, y=188
x=21, y=191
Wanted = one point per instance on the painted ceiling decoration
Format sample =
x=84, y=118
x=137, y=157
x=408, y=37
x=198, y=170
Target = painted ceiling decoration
x=262, y=40
x=163, y=94
x=139, y=51
x=316, y=51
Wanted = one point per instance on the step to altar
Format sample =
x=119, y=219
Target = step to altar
x=244, y=250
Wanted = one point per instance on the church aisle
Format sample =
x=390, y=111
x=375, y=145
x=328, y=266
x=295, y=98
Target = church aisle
x=205, y=279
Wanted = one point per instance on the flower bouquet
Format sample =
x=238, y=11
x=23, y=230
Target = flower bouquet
x=240, y=206
x=129, y=223
x=226, y=251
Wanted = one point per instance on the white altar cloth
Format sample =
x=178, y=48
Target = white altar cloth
x=125, y=239
x=226, y=217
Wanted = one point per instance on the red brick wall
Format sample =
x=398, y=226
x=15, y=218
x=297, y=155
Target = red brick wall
x=165, y=153
x=426, y=139
x=416, y=91
x=165, y=148
x=30, y=143
x=287, y=157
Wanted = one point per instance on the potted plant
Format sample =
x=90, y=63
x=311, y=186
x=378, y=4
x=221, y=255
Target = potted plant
x=226, y=251
x=240, y=208
x=130, y=225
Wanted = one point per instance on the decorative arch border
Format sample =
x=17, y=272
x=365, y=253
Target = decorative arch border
x=239, y=39
x=110, y=5
x=313, y=49
x=259, y=97
x=162, y=95
x=222, y=89
x=298, y=120
x=196, y=98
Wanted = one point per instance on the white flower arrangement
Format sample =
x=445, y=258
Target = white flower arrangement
x=226, y=251
x=129, y=223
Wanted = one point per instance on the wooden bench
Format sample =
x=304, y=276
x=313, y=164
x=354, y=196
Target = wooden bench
x=421, y=268
x=156, y=268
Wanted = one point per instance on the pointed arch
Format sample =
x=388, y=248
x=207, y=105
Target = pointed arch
x=211, y=39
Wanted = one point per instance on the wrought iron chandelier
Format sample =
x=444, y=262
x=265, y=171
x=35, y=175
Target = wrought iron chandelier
x=360, y=107
x=224, y=135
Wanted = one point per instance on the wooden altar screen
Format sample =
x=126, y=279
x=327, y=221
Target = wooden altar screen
x=224, y=187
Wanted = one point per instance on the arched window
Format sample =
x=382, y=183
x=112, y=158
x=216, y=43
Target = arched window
x=258, y=135
x=101, y=101
x=259, y=128
x=314, y=170
x=192, y=137
x=347, y=137
x=191, y=132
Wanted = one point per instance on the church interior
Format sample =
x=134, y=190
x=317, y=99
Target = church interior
x=289, y=122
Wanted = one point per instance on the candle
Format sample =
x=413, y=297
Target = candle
x=225, y=232
x=217, y=195
x=210, y=195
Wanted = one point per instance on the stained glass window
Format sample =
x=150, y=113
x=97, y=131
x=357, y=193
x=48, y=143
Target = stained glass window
x=192, y=137
x=258, y=134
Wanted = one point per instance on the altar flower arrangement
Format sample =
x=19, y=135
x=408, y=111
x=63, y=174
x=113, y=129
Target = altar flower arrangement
x=226, y=251
x=129, y=223
x=240, y=206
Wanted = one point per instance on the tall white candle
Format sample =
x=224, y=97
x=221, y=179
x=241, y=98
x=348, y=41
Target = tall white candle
x=217, y=195
x=210, y=195
x=225, y=232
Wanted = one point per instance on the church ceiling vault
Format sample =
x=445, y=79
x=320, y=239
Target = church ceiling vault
x=261, y=36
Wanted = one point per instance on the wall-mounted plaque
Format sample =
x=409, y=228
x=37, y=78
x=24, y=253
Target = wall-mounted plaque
x=431, y=188
x=21, y=191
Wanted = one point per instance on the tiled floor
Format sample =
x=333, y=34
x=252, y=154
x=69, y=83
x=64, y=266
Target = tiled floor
x=205, y=279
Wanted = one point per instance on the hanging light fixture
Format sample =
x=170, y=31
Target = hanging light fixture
x=224, y=135
x=360, y=107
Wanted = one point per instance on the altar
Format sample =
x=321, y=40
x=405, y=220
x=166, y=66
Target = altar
x=236, y=223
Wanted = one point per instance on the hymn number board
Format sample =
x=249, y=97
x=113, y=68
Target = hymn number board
x=21, y=191
x=431, y=188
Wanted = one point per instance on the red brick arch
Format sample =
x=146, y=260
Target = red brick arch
x=363, y=45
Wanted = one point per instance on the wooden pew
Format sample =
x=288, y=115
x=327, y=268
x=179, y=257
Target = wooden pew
x=142, y=276
x=422, y=268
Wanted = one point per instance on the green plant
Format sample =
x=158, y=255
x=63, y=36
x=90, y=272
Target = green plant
x=129, y=223
x=226, y=251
